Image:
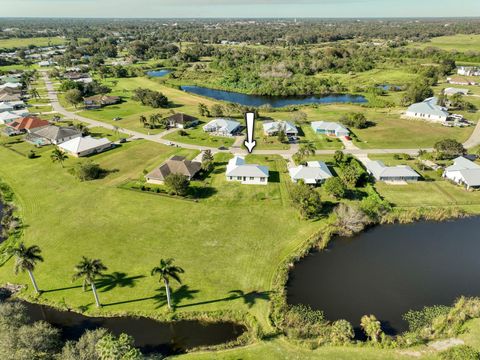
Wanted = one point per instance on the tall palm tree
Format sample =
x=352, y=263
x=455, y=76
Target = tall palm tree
x=34, y=93
x=143, y=120
x=89, y=269
x=58, y=156
x=307, y=148
x=26, y=259
x=166, y=270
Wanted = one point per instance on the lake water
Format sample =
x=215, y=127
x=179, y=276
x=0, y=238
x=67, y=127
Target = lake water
x=150, y=336
x=389, y=270
x=274, y=101
x=158, y=73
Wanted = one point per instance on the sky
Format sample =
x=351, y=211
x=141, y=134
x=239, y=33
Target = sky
x=239, y=8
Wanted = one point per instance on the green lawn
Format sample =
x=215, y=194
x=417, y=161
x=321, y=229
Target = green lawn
x=461, y=42
x=321, y=142
x=25, y=42
x=100, y=132
x=196, y=136
x=130, y=231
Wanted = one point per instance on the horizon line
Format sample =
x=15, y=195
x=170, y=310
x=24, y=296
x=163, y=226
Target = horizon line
x=244, y=18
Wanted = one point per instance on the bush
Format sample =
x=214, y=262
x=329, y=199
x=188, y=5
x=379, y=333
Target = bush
x=87, y=170
x=178, y=184
x=350, y=219
x=306, y=200
x=356, y=120
x=448, y=149
x=301, y=321
x=334, y=186
x=151, y=98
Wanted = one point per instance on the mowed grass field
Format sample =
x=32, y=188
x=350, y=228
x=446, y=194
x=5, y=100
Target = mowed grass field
x=460, y=42
x=13, y=43
x=130, y=231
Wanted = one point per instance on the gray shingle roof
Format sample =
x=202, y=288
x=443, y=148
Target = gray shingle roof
x=175, y=165
x=52, y=132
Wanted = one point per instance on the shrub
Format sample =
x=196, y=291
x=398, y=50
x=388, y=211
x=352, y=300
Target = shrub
x=341, y=332
x=178, y=184
x=350, y=220
x=87, y=170
x=356, y=120
x=334, y=186
x=448, y=149
x=151, y=98
x=301, y=321
x=306, y=200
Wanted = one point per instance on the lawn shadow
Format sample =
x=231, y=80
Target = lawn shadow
x=202, y=192
x=116, y=279
x=61, y=289
x=249, y=298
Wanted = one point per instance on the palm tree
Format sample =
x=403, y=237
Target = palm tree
x=58, y=156
x=371, y=326
x=89, y=269
x=307, y=148
x=167, y=271
x=26, y=259
x=34, y=93
x=143, y=120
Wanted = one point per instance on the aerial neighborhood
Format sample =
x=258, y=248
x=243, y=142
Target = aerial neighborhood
x=223, y=186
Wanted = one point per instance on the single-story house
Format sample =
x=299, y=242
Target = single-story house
x=238, y=170
x=316, y=172
x=46, y=63
x=464, y=172
x=27, y=124
x=11, y=85
x=329, y=128
x=84, y=146
x=75, y=75
x=52, y=134
x=461, y=80
x=222, y=127
x=468, y=70
x=11, y=106
x=98, y=101
x=182, y=121
x=272, y=128
x=9, y=116
x=9, y=95
x=453, y=91
x=6, y=106
x=399, y=173
x=175, y=165
x=428, y=110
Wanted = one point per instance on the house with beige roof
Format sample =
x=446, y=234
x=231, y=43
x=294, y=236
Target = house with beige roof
x=174, y=165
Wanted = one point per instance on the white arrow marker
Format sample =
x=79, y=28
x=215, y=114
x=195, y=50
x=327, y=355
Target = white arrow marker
x=250, y=120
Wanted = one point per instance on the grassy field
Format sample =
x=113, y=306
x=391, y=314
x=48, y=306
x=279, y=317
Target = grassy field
x=100, y=132
x=196, y=136
x=461, y=42
x=23, y=43
x=98, y=219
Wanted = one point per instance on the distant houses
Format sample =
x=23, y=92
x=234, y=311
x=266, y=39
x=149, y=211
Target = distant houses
x=250, y=174
x=84, y=146
x=175, y=165
x=273, y=128
x=99, y=101
x=468, y=70
x=329, y=128
x=222, y=127
x=399, y=173
x=428, y=110
x=8, y=94
x=453, y=91
x=181, y=121
x=25, y=125
x=464, y=172
x=9, y=116
x=314, y=173
x=461, y=80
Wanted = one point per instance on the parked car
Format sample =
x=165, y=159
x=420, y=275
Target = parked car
x=117, y=118
x=348, y=138
x=122, y=141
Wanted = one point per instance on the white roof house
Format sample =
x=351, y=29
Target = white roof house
x=9, y=116
x=468, y=70
x=272, y=128
x=223, y=127
x=11, y=85
x=83, y=146
x=464, y=172
x=428, y=110
x=329, y=128
x=238, y=170
x=314, y=173
x=399, y=173
x=6, y=107
x=453, y=91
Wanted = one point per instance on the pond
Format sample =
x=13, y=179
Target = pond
x=158, y=73
x=150, y=336
x=389, y=270
x=273, y=101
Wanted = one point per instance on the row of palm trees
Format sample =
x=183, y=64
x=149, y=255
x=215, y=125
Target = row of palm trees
x=26, y=259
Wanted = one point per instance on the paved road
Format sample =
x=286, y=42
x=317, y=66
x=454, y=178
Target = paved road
x=350, y=147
